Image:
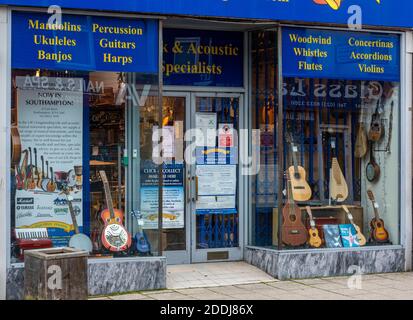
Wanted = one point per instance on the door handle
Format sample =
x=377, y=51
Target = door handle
x=188, y=189
x=196, y=188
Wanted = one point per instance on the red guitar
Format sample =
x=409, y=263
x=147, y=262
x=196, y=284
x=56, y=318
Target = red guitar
x=114, y=237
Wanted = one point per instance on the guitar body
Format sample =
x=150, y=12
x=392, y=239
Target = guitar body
x=361, y=146
x=338, y=184
x=360, y=236
x=314, y=240
x=294, y=233
x=379, y=232
x=142, y=243
x=300, y=188
x=106, y=217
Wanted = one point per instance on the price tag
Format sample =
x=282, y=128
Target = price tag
x=140, y=223
x=284, y=192
x=376, y=205
x=295, y=149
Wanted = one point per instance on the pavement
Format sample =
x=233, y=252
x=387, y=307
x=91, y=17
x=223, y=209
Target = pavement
x=241, y=281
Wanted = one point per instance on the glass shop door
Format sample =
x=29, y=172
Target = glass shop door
x=214, y=178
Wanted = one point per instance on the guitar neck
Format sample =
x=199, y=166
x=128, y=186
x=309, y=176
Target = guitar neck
x=108, y=197
x=376, y=211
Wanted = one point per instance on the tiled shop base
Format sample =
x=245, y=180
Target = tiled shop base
x=213, y=275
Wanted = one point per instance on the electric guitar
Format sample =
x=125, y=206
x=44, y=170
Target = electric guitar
x=314, y=240
x=360, y=237
x=378, y=230
x=114, y=237
x=338, y=184
x=294, y=232
x=301, y=191
x=376, y=131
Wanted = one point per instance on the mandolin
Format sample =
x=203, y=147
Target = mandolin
x=114, y=237
x=301, y=191
x=376, y=131
x=360, y=236
x=294, y=232
x=361, y=146
x=315, y=239
x=338, y=184
x=378, y=230
x=372, y=168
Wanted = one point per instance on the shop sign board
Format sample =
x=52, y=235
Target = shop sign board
x=203, y=58
x=50, y=122
x=316, y=53
x=388, y=13
x=83, y=42
x=173, y=196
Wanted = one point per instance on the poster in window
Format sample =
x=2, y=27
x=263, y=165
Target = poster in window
x=50, y=121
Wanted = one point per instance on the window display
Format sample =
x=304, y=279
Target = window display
x=340, y=152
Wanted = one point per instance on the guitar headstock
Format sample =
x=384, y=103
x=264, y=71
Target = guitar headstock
x=370, y=194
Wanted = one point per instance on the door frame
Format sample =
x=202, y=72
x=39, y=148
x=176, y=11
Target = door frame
x=234, y=254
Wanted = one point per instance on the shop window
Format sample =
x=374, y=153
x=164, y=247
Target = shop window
x=340, y=158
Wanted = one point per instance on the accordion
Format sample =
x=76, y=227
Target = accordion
x=31, y=238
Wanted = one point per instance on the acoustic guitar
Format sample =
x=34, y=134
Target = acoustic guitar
x=376, y=131
x=315, y=240
x=360, y=236
x=361, y=146
x=338, y=184
x=114, y=236
x=301, y=191
x=294, y=232
x=378, y=230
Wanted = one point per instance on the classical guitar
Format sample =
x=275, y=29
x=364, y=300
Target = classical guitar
x=361, y=146
x=376, y=131
x=301, y=191
x=315, y=239
x=294, y=232
x=372, y=168
x=114, y=237
x=338, y=184
x=378, y=230
x=78, y=240
x=360, y=236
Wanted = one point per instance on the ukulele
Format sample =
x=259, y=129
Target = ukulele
x=378, y=230
x=361, y=146
x=301, y=191
x=314, y=240
x=360, y=236
x=114, y=237
x=78, y=240
x=376, y=127
x=338, y=184
x=372, y=168
x=294, y=232
x=51, y=185
x=142, y=244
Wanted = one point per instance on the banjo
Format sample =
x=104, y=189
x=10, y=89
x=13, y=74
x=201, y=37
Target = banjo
x=78, y=240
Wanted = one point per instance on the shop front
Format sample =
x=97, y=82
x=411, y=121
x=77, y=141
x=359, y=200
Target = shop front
x=149, y=139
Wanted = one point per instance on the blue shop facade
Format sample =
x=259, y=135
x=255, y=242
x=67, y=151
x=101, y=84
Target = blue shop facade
x=278, y=133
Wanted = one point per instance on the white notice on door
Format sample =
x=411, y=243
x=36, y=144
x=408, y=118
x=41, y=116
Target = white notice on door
x=216, y=180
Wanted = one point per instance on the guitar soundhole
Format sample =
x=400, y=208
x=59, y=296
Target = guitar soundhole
x=293, y=218
x=379, y=225
x=118, y=219
x=108, y=220
x=297, y=175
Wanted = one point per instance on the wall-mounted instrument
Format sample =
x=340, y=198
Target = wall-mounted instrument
x=78, y=240
x=314, y=240
x=361, y=146
x=376, y=131
x=301, y=191
x=16, y=145
x=360, y=237
x=115, y=237
x=294, y=232
x=338, y=183
x=372, y=168
x=378, y=230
